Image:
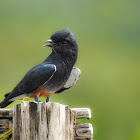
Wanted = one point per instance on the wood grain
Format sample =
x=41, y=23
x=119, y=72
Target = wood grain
x=46, y=121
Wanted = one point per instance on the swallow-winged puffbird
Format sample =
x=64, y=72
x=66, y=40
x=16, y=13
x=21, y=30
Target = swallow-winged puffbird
x=55, y=74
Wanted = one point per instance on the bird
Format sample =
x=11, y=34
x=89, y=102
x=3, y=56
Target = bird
x=54, y=75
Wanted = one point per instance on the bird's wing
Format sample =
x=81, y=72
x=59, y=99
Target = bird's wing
x=72, y=80
x=34, y=78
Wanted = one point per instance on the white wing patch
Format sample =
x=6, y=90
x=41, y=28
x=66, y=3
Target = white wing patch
x=52, y=74
x=74, y=77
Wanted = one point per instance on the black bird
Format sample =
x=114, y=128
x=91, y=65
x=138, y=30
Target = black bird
x=55, y=74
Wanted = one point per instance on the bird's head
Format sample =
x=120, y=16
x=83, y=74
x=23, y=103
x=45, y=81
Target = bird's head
x=63, y=41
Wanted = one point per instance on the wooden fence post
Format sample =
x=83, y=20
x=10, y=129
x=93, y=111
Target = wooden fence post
x=49, y=121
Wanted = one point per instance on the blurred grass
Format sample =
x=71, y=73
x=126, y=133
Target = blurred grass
x=108, y=35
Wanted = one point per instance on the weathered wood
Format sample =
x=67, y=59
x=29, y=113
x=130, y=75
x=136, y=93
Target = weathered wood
x=16, y=122
x=10, y=124
x=4, y=125
x=82, y=139
x=82, y=113
x=46, y=121
x=5, y=119
x=42, y=121
x=6, y=113
x=29, y=121
x=83, y=130
x=82, y=125
x=60, y=122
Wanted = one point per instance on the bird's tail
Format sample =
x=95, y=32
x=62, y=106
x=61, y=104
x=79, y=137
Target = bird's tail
x=5, y=102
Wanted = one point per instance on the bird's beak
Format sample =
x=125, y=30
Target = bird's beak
x=48, y=41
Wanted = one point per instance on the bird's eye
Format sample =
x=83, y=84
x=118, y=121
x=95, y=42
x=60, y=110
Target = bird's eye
x=64, y=42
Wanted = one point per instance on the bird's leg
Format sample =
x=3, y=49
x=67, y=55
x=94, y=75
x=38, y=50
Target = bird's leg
x=48, y=98
x=36, y=98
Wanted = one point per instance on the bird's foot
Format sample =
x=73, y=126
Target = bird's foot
x=36, y=99
x=48, y=98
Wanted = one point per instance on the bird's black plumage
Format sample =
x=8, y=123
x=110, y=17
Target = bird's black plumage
x=52, y=74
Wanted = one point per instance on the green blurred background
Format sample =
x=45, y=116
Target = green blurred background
x=108, y=35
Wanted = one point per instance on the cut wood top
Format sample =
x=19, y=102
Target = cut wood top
x=82, y=113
